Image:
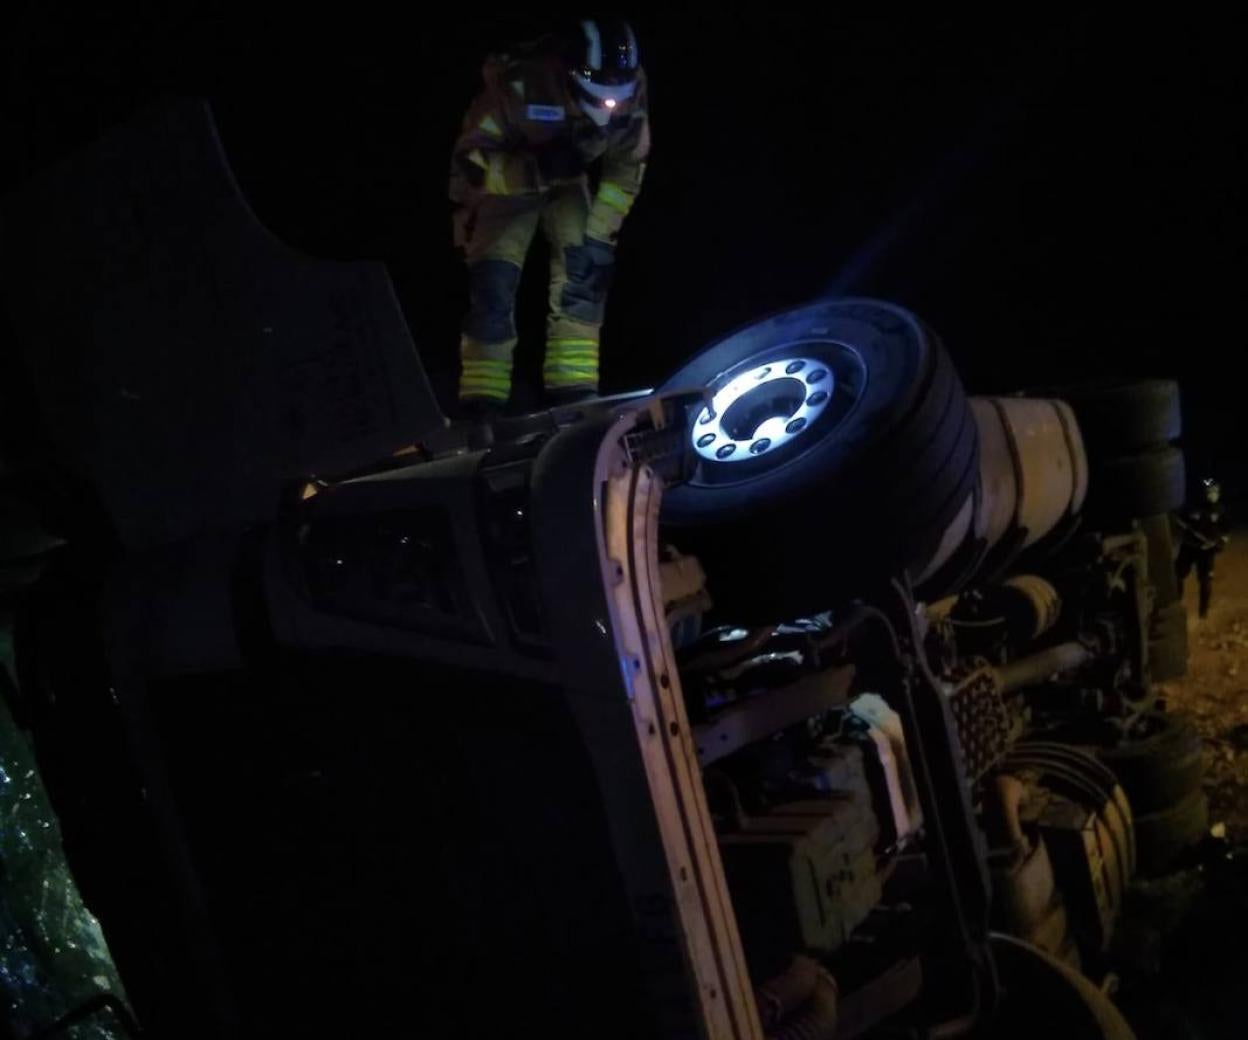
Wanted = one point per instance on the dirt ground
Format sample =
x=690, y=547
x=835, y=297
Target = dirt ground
x=1215, y=689
x=1200, y=914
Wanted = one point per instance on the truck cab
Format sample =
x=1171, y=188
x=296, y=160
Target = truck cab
x=803, y=695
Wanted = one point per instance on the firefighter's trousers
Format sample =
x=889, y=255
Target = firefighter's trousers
x=494, y=235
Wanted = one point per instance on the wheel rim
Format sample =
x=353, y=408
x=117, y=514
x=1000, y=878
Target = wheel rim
x=764, y=408
x=770, y=409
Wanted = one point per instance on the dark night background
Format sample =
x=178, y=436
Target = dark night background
x=1060, y=196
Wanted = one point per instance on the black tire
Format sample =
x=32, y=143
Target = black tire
x=1162, y=768
x=1120, y=418
x=1162, y=836
x=959, y=570
x=1168, y=622
x=1167, y=644
x=1162, y=574
x=860, y=495
x=1167, y=659
x=1129, y=487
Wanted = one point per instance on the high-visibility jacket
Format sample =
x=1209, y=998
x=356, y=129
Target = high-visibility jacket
x=526, y=133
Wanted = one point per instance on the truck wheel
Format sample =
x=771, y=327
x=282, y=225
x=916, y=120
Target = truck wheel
x=1162, y=574
x=1129, y=487
x=1162, y=836
x=838, y=448
x=1167, y=658
x=1119, y=418
x=1169, y=621
x=1160, y=768
x=1167, y=645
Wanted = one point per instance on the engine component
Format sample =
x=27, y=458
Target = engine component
x=723, y=647
x=757, y=718
x=685, y=597
x=1085, y=821
x=779, y=997
x=888, y=769
x=1119, y=602
x=681, y=580
x=1035, y=603
x=985, y=725
x=1028, y=904
x=1026, y=671
x=801, y=1004
x=836, y=768
x=1026, y=901
x=988, y=620
x=1086, y=860
x=802, y=876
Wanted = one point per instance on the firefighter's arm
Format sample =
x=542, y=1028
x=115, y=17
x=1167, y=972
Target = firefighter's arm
x=490, y=153
x=623, y=168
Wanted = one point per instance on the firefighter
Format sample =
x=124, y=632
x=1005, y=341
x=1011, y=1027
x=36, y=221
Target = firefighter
x=557, y=138
x=1202, y=535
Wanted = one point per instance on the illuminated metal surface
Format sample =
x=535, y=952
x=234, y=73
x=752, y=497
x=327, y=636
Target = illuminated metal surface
x=792, y=392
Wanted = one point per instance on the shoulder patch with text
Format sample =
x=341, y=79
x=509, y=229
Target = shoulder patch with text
x=544, y=113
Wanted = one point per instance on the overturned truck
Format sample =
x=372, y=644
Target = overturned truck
x=801, y=697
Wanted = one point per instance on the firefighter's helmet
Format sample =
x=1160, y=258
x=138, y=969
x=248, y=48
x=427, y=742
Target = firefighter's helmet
x=604, y=67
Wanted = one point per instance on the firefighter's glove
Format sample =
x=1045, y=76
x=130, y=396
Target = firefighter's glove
x=591, y=269
x=599, y=253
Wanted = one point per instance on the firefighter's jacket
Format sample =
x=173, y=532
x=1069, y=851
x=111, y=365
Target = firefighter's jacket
x=526, y=133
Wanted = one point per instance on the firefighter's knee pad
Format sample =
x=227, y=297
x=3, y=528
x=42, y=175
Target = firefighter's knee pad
x=492, y=292
x=590, y=272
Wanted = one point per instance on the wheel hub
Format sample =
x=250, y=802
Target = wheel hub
x=763, y=409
